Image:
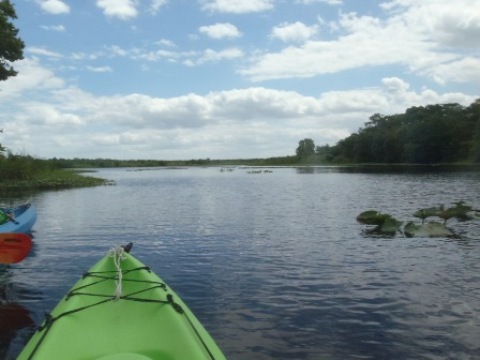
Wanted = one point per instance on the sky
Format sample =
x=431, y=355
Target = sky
x=227, y=79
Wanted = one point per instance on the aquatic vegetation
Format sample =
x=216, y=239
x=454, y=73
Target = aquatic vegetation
x=391, y=226
x=429, y=229
x=372, y=217
x=24, y=173
x=388, y=225
x=385, y=223
x=428, y=212
x=259, y=171
x=53, y=180
x=460, y=212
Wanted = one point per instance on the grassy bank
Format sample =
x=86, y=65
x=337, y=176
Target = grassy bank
x=23, y=173
x=53, y=180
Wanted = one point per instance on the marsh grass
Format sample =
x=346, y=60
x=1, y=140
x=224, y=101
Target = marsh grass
x=18, y=173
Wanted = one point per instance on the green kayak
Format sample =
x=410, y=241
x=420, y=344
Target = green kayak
x=121, y=310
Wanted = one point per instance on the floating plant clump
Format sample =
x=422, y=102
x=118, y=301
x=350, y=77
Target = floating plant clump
x=372, y=217
x=460, y=211
x=386, y=224
x=429, y=229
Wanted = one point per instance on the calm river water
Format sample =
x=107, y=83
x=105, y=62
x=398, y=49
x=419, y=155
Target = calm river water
x=273, y=263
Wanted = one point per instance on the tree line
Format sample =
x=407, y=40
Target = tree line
x=432, y=134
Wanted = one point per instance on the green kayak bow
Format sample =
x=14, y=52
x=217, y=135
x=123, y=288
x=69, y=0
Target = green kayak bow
x=121, y=310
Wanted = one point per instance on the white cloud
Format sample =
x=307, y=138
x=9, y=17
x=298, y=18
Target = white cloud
x=453, y=24
x=100, y=69
x=122, y=9
x=330, y=2
x=59, y=28
x=159, y=55
x=64, y=121
x=220, y=30
x=415, y=36
x=44, y=114
x=237, y=7
x=54, y=7
x=165, y=42
x=466, y=70
x=156, y=5
x=294, y=32
x=395, y=85
x=79, y=56
x=210, y=55
x=399, y=96
x=31, y=76
x=42, y=52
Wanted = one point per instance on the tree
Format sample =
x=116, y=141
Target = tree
x=11, y=46
x=473, y=113
x=2, y=149
x=305, y=149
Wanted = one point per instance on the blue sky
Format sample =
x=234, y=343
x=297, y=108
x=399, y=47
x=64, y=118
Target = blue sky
x=222, y=79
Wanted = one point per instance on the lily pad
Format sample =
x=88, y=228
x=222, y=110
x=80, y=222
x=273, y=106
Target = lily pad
x=372, y=217
x=430, y=229
x=390, y=226
x=428, y=212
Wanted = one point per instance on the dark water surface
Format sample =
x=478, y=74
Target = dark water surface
x=274, y=264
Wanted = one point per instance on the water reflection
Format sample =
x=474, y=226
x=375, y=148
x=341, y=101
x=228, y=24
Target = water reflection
x=14, y=317
x=275, y=265
x=388, y=169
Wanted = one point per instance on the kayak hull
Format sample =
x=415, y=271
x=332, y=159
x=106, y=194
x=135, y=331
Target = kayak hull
x=147, y=321
x=25, y=217
x=14, y=247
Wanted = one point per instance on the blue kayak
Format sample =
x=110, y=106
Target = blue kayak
x=18, y=220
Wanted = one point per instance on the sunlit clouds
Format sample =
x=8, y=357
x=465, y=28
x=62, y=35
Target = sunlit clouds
x=160, y=79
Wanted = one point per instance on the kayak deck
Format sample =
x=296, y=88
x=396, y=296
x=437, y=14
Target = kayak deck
x=147, y=320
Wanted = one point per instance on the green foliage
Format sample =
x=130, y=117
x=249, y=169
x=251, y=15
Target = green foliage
x=388, y=225
x=22, y=173
x=305, y=149
x=460, y=211
x=2, y=149
x=372, y=217
x=77, y=163
x=56, y=179
x=16, y=167
x=432, y=134
x=103, y=163
x=428, y=212
x=11, y=46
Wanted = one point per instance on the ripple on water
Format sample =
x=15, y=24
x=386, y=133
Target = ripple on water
x=275, y=265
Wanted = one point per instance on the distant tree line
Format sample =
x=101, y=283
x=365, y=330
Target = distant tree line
x=443, y=133
x=77, y=163
x=102, y=163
